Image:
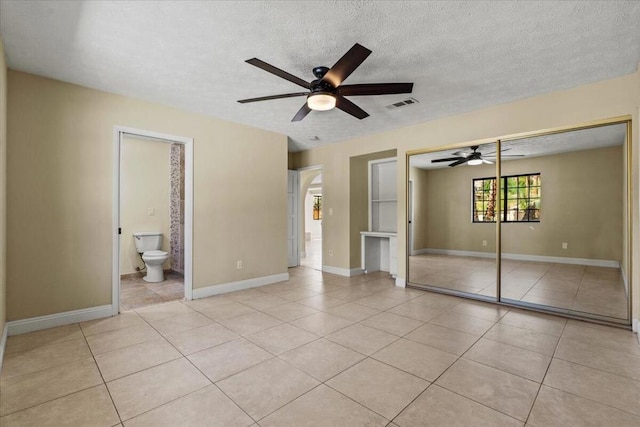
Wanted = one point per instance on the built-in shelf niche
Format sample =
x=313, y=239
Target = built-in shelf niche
x=383, y=195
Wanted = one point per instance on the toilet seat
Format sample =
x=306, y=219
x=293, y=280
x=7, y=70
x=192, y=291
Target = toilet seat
x=154, y=254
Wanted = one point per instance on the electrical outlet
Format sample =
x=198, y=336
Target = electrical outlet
x=239, y=265
x=484, y=243
x=151, y=211
x=330, y=252
x=565, y=245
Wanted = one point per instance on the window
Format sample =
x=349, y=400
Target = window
x=317, y=207
x=520, y=196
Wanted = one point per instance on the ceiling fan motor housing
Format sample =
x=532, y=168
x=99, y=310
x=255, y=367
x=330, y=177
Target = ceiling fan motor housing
x=321, y=86
x=319, y=72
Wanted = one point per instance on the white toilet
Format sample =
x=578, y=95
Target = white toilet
x=148, y=244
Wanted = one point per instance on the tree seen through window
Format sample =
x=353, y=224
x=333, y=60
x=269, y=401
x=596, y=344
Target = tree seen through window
x=519, y=196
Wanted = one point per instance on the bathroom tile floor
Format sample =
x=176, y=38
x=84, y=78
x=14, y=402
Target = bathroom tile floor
x=136, y=293
x=323, y=350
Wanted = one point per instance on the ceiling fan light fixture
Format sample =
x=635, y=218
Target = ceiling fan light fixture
x=321, y=101
x=474, y=162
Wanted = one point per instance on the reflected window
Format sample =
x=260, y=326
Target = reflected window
x=519, y=194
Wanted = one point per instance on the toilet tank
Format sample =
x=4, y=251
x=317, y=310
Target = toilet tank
x=147, y=241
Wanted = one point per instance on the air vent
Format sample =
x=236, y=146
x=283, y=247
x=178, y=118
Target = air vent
x=402, y=104
x=313, y=138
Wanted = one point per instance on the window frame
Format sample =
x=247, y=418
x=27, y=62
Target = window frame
x=503, y=198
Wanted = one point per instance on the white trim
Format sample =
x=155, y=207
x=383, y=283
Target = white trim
x=188, y=219
x=3, y=343
x=455, y=253
x=522, y=257
x=188, y=208
x=239, y=285
x=635, y=326
x=342, y=271
x=115, y=244
x=400, y=282
x=293, y=185
x=17, y=327
x=624, y=280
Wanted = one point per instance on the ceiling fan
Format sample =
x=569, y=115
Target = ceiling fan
x=327, y=91
x=472, y=158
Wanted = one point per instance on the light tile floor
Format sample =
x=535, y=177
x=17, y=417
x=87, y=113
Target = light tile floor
x=136, y=293
x=323, y=350
x=574, y=289
x=313, y=254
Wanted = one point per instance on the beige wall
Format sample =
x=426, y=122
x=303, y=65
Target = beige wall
x=59, y=191
x=420, y=204
x=3, y=187
x=582, y=204
x=144, y=184
x=597, y=101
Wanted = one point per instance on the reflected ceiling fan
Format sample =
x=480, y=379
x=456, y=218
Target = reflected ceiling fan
x=327, y=91
x=472, y=158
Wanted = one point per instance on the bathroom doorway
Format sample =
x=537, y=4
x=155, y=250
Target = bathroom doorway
x=311, y=214
x=152, y=218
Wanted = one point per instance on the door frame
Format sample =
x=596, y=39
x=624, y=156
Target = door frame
x=118, y=133
x=301, y=211
x=293, y=185
x=410, y=250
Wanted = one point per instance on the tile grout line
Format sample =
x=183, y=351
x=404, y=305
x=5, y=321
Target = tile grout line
x=320, y=383
x=594, y=401
x=55, y=366
x=101, y=376
x=449, y=367
x=198, y=369
x=546, y=372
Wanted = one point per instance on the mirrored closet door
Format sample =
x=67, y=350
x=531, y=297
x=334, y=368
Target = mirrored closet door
x=452, y=233
x=564, y=237
x=560, y=207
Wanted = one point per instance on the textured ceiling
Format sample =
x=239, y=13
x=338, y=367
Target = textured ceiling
x=545, y=145
x=461, y=55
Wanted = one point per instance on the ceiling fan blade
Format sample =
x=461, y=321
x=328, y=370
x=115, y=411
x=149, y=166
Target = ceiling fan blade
x=493, y=152
x=302, y=113
x=449, y=159
x=267, y=98
x=346, y=65
x=461, y=154
x=278, y=72
x=375, y=89
x=349, y=107
x=459, y=162
x=508, y=155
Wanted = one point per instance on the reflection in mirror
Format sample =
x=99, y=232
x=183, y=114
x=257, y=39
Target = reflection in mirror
x=563, y=236
x=451, y=231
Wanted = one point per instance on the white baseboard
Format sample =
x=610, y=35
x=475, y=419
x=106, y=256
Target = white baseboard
x=3, y=344
x=635, y=326
x=17, y=327
x=239, y=285
x=523, y=257
x=400, y=282
x=347, y=272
